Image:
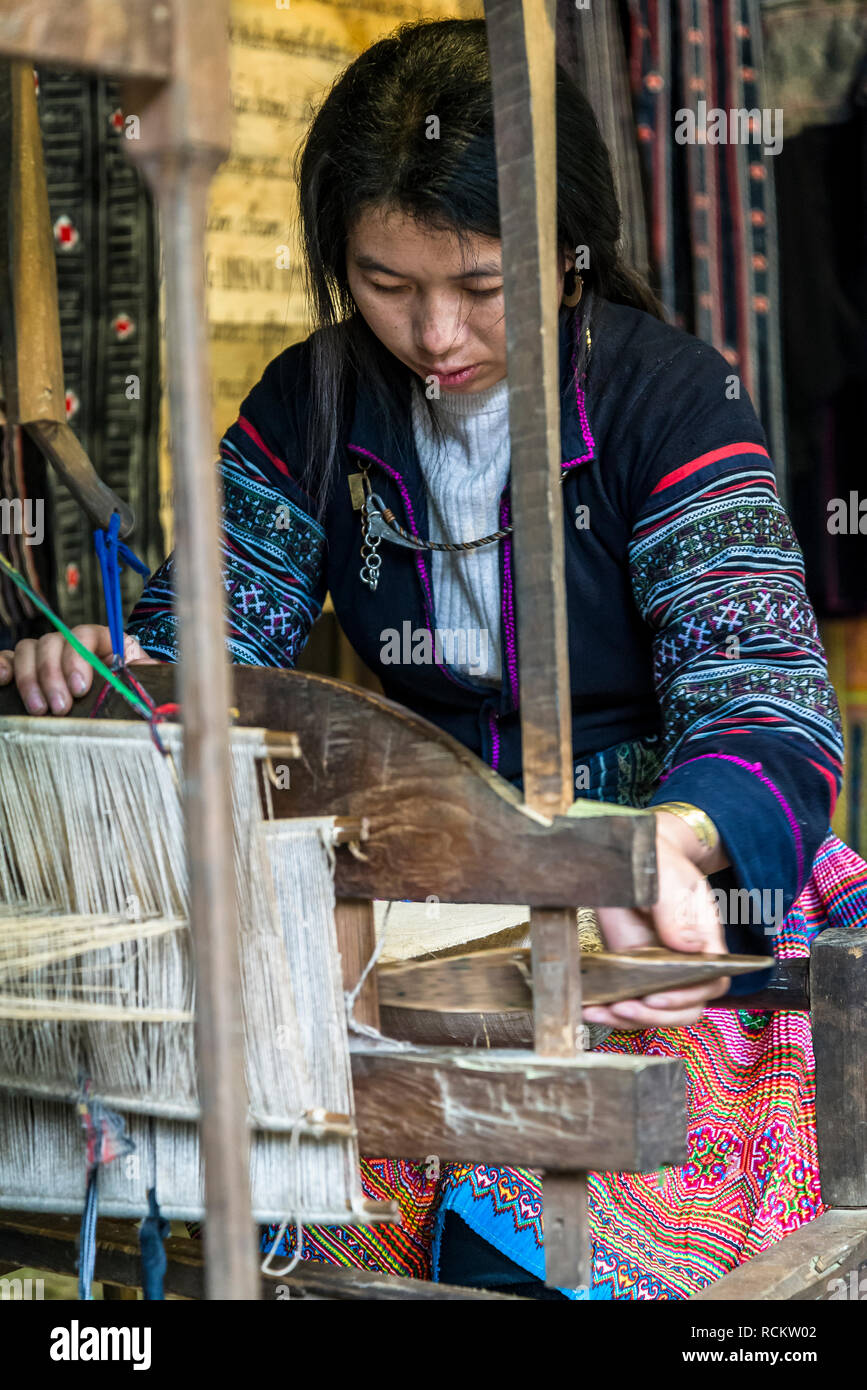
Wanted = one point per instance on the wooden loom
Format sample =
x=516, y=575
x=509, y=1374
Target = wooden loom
x=469, y=838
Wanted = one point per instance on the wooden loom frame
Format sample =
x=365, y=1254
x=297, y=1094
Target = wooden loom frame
x=176, y=72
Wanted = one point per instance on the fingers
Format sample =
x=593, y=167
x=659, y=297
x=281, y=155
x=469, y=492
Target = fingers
x=634, y=1016
x=675, y=1008
x=49, y=672
x=24, y=658
x=76, y=673
x=133, y=652
x=693, y=994
x=689, y=921
x=685, y=917
x=626, y=928
x=692, y=916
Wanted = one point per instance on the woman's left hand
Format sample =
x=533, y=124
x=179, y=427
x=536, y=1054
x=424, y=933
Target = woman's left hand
x=684, y=918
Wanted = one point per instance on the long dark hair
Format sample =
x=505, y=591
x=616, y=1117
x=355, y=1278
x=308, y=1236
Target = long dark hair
x=367, y=146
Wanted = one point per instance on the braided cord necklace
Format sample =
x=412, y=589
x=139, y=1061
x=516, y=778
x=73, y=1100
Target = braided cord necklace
x=414, y=542
x=380, y=523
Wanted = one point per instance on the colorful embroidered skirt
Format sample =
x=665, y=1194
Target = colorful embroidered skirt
x=751, y=1176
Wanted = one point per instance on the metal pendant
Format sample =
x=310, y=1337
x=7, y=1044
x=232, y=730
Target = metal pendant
x=370, y=543
x=356, y=491
x=381, y=530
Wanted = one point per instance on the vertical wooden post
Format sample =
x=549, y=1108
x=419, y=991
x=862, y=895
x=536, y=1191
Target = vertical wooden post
x=184, y=136
x=838, y=1009
x=522, y=48
x=356, y=938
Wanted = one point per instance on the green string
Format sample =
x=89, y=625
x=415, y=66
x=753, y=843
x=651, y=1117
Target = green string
x=100, y=667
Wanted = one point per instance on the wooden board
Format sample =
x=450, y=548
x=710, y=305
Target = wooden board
x=112, y=38
x=436, y=1028
x=787, y=989
x=598, y=1111
x=521, y=45
x=488, y=1106
x=441, y=823
x=501, y=980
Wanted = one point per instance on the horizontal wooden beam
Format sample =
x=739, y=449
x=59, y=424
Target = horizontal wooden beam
x=597, y=1111
x=115, y=38
x=500, y=980
x=441, y=823
x=49, y=1243
x=788, y=988
x=823, y=1261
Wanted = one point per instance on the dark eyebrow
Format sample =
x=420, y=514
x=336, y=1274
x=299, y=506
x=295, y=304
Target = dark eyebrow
x=487, y=269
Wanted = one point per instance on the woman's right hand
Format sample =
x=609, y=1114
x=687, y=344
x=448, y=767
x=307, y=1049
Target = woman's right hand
x=49, y=672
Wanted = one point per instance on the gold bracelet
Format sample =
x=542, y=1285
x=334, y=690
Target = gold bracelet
x=697, y=820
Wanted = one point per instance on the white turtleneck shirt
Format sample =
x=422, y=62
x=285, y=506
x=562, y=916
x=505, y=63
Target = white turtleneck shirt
x=465, y=472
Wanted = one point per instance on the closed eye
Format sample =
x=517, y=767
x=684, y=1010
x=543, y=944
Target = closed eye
x=399, y=289
x=388, y=289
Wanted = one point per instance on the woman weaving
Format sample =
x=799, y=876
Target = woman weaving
x=699, y=684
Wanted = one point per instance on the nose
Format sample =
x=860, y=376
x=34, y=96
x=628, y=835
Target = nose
x=440, y=324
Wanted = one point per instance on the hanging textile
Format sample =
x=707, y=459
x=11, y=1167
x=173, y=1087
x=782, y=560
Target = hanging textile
x=817, y=70
x=590, y=46
x=713, y=237
x=107, y=279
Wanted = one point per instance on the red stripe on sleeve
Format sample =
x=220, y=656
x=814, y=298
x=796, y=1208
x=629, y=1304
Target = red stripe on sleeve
x=830, y=779
x=260, y=444
x=728, y=451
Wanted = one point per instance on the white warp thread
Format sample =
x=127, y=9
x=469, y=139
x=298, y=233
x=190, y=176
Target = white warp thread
x=96, y=954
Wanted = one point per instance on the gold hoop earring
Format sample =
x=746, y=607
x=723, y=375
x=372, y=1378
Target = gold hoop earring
x=574, y=295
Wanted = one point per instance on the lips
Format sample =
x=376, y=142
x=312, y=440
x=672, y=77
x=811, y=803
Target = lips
x=453, y=374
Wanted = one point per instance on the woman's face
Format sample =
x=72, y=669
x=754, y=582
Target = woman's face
x=435, y=302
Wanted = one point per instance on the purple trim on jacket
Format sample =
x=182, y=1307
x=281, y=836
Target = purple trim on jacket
x=419, y=557
x=581, y=403
x=494, y=730
x=756, y=770
x=508, y=605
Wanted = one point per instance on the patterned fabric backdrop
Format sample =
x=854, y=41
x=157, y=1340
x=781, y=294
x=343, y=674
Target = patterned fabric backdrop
x=711, y=205
x=106, y=256
x=107, y=276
